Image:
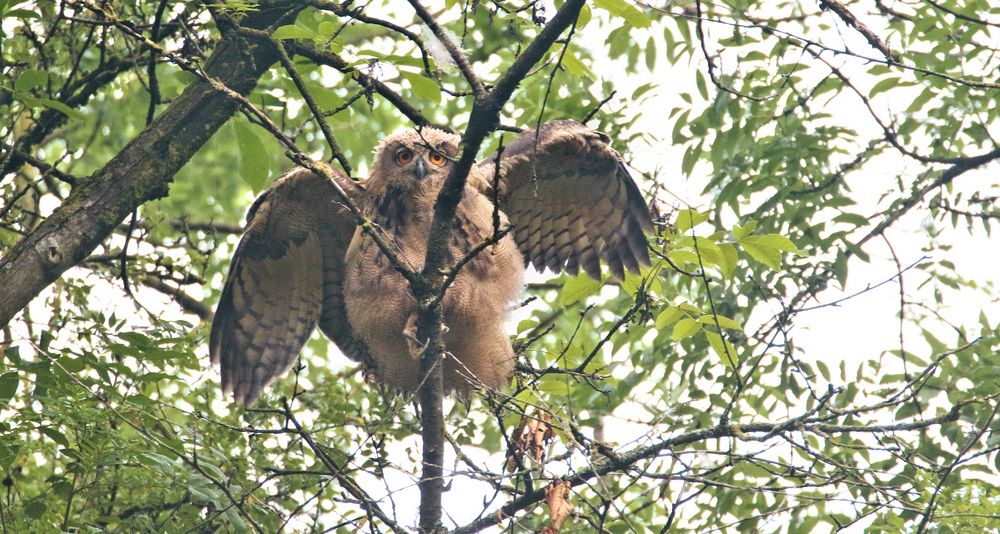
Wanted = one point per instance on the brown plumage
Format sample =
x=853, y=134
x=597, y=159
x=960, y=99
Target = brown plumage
x=303, y=262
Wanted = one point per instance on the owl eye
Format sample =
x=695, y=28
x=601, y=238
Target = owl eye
x=437, y=158
x=404, y=156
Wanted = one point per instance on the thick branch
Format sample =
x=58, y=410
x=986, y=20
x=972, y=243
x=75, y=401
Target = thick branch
x=142, y=171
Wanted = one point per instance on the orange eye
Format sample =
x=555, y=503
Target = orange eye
x=437, y=158
x=404, y=156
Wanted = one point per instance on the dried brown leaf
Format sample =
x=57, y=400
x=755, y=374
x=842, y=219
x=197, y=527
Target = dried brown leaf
x=531, y=435
x=557, y=500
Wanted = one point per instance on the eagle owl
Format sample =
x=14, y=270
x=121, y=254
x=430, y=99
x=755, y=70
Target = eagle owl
x=302, y=260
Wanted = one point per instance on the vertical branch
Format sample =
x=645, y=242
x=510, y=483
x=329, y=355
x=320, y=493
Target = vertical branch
x=429, y=284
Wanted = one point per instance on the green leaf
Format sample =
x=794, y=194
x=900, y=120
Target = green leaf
x=739, y=232
x=235, y=519
x=623, y=9
x=578, y=288
x=526, y=325
x=651, y=54
x=29, y=79
x=423, y=87
x=8, y=387
x=767, y=248
x=690, y=308
x=681, y=257
x=293, y=31
x=8, y=453
x=686, y=327
x=840, y=268
x=646, y=277
x=325, y=98
x=35, y=509
x=555, y=385
x=584, y=17
x=253, y=156
x=54, y=435
x=689, y=218
x=576, y=67
x=668, y=316
x=779, y=242
x=721, y=346
x=700, y=83
x=729, y=259
x=326, y=29
x=137, y=339
x=767, y=255
x=157, y=461
x=59, y=106
x=34, y=102
x=883, y=86
x=724, y=322
x=852, y=218
x=22, y=14
x=395, y=59
x=691, y=156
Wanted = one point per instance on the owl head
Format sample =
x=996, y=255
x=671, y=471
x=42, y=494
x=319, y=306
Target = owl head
x=415, y=157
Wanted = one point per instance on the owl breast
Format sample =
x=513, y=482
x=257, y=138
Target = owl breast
x=379, y=301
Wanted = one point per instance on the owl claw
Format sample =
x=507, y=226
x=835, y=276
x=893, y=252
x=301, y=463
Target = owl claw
x=415, y=346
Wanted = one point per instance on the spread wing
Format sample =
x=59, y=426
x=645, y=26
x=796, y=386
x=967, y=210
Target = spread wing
x=285, y=277
x=571, y=200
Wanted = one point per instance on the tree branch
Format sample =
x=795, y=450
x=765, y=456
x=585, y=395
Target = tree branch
x=621, y=462
x=456, y=54
x=852, y=21
x=372, y=84
x=484, y=119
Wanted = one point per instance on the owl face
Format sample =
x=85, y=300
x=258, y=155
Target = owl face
x=416, y=156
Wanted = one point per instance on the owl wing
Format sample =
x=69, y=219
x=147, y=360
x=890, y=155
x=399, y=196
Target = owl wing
x=570, y=200
x=286, y=275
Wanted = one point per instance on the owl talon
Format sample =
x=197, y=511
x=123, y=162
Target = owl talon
x=415, y=346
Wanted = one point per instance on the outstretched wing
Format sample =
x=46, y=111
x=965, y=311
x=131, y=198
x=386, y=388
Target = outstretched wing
x=571, y=200
x=286, y=276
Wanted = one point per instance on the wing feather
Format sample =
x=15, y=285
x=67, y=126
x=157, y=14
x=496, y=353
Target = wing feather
x=286, y=276
x=571, y=200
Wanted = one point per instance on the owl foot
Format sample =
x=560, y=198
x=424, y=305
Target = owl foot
x=415, y=346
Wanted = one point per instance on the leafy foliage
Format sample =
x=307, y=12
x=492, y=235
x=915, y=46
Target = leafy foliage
x=818, y=146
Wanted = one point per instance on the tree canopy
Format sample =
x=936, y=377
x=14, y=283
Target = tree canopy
x=813, y=167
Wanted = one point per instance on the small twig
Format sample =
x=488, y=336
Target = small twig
x=44, y=168
x=852, y=21
x=456, y=54
x=352, y=487
x=317, y=113
x=368, y=82
x=590, y=114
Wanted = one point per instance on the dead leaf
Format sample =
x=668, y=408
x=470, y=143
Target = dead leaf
x=557, y=499
x=531, y=435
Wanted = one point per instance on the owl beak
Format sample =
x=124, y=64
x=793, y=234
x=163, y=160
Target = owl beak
x=419, y=169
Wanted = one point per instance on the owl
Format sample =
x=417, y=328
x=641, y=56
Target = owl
x=303, y=261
